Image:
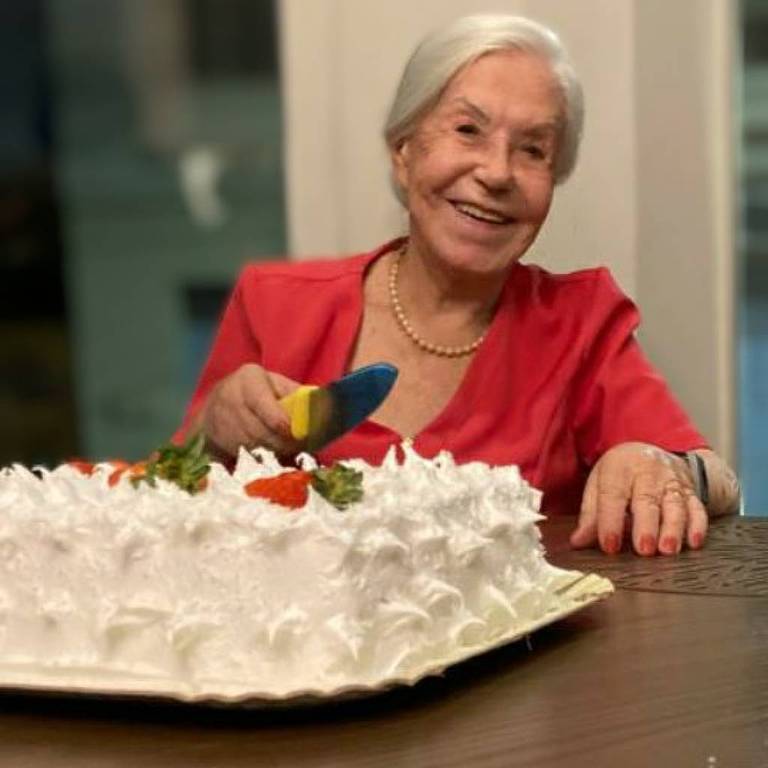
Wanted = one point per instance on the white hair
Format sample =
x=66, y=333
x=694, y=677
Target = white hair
x=447, y=50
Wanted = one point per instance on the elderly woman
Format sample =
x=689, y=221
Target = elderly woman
x=499, y=361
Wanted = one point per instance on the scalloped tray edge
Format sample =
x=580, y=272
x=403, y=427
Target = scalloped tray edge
x=571, y=591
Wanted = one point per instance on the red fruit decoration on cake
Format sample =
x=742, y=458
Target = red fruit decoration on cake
x=290, y=489
x=188, y=465
x=82, y=466
x=337, y=484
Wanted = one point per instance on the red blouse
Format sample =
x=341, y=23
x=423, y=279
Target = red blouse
x=558, y=380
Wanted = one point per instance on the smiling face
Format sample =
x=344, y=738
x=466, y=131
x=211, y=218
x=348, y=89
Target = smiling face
x=477, y=171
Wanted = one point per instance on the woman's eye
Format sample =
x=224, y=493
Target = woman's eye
x=536, y=152
x=468, y=129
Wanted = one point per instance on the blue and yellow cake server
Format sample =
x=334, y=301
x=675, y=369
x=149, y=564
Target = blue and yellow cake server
x=320, y=415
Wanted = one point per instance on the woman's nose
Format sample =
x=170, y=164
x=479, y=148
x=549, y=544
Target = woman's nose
x=495, y=167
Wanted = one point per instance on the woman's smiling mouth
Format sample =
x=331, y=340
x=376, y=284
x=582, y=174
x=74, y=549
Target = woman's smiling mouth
x=481, y=214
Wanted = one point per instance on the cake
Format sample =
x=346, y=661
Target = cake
x=111, y=584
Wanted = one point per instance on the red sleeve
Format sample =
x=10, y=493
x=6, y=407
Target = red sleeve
x=620, y=397
x=234, y=345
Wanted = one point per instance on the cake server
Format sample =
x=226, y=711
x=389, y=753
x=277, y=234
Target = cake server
x=320, y=415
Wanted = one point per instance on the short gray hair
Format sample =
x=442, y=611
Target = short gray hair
x=447, y=50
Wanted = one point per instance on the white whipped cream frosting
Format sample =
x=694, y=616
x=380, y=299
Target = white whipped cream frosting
x=223, y=593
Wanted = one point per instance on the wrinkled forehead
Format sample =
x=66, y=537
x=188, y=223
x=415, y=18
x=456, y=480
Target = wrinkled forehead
x=511, y=68
x=506, y=78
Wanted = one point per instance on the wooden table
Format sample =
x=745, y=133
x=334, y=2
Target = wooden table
x=672, y=671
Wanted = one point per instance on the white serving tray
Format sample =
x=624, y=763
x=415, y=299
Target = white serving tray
x=570, y=591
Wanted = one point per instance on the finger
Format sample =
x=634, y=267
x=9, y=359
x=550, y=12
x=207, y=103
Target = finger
x=227, y=430
x=281, y=385
x=231, y=425
x=674, y=517
x=613, y=496
x=258, y=396
x=646, y=511
x=585, y=533
x=261, y=435
x=698, y=523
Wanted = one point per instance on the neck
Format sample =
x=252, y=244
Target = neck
x=454, y=324
x=432, y=289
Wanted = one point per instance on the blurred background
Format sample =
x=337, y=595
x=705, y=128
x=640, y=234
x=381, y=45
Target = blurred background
x=140, y=166
x=149, y=148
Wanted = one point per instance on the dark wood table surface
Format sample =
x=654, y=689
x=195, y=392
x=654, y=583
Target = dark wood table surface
x=672, y=670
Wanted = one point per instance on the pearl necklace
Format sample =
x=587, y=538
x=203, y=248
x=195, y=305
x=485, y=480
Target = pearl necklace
x=407, y=328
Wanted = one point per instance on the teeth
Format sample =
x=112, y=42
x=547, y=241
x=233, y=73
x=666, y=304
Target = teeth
x=480, y=213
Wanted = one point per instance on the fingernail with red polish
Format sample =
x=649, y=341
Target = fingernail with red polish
x=669, y=545
x=612, y=544
x=697, y=540
x=647, y=544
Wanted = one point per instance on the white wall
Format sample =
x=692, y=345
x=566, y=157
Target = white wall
x=650, y=197
x=684, y=76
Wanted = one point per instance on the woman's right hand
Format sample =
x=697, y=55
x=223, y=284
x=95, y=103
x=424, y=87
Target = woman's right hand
x=243, y=410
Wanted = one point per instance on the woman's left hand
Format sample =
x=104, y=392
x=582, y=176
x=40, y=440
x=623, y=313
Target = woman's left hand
x=640, y=490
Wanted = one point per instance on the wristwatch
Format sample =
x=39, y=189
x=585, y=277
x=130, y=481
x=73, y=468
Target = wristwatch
x=698, y=473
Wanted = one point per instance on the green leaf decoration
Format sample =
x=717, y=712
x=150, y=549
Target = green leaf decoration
x=338, y=484
x=185, y=465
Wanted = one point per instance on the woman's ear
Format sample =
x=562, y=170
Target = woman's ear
x=399, y=155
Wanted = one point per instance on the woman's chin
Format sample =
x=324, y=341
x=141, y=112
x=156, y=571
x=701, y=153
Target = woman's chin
x=479, y=251
x=478, y=273
x=480, y=261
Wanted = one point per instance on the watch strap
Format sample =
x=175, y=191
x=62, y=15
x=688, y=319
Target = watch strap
x=698, y=473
